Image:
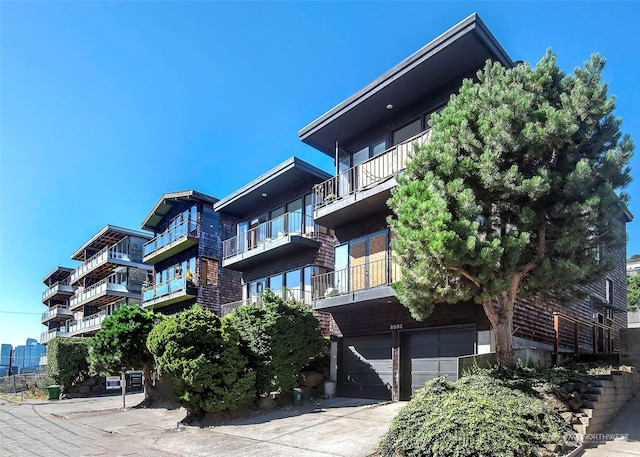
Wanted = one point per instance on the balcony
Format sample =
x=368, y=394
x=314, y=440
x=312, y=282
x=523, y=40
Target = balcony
x=302, y=296
x=43, y=360
x=57, y=313
x=168, y=292
x=51, y=334
x=105, y=291
x=368, y=282
x=86, y=325
x=105, y=262
x=364, y=189
x=170, y=242
x=276, y=238
x=61, y=290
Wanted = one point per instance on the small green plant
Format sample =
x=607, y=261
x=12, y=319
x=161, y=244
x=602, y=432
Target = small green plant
x=479, y=415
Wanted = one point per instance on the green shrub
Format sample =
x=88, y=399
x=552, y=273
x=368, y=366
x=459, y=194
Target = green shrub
x=478, y=415
x=202, y=356
x=67, y=361
x=279, y=339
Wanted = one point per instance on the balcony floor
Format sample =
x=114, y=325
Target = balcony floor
x=286, y=245
x=355, y=206
x=170, y=250
x=169, y=299
x=374, y=295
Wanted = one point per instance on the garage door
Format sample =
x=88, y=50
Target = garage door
x=428, y=354
x=366, y=368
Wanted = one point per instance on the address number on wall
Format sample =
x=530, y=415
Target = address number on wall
x=395, y=327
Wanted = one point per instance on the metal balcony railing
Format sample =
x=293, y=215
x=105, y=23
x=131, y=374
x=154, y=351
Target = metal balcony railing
x=58, y=310
x=302, y=296
x=171, y=286
x=88, y=323
x=293, y=223
x=48, y=336
x=171, y=236
x=368, y=275
x=114, y=283
x=53, y=289
x=367, y=174
x=106, y=254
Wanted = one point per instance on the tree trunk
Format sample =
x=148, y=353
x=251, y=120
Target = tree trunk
x=499, y=310
x=147, y=379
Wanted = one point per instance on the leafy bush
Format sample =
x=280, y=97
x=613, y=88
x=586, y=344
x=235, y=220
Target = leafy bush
x=279, y=339
x=202, y=356
x=67, y=361
x=479, y=415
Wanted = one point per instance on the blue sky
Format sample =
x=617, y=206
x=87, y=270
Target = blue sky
x=105, y=106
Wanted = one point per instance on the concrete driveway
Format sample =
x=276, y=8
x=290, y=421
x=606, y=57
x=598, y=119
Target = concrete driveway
x=336, y=427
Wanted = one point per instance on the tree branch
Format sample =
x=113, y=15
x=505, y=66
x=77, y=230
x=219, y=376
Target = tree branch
x=466, y=274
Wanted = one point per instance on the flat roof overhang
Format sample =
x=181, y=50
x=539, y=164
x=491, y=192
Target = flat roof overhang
x=275, y=181
x=58, y=274
x=457, y=53
x=108, y=236
x=168, y=201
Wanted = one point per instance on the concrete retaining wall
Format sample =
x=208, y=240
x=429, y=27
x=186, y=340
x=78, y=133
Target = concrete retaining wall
x=607, y=395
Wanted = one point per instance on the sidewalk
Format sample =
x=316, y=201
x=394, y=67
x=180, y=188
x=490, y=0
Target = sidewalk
x=621, y=437
x=344, y=427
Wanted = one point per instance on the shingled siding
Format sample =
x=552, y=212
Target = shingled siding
x=533, y=319
x=365, y=319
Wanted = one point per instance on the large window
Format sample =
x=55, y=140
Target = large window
x=403, y=134
x=294, y=217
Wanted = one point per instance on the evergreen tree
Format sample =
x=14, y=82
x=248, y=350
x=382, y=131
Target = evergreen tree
x=121, y=344
x=202, y=356
x=515, y=195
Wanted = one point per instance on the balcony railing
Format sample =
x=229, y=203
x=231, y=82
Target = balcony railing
x=370, y=274
x=113, y=283
x=165, y=288
x=88, y=323
x=47, y=336
x=56, y=311
x=367, y=174
x=60, y=286
x=171, y=236
x=270, y=232
x=302, y=296
x=106, y=254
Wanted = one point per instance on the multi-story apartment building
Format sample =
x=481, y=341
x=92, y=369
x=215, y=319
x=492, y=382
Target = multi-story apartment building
x=185, y=254
x=276, y=244
x=56, y=298
x=381, y=350
x=111, y=274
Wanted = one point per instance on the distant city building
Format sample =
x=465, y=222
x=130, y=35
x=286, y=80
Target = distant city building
x=633, y=267
x=5, y=358
x=25, y=358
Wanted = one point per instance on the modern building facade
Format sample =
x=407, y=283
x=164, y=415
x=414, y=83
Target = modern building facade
x=275, y=243
x=381, y=351
x=111, y=274
x=185, y=254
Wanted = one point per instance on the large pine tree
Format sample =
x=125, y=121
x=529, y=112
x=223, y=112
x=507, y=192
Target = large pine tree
x=517, y=194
